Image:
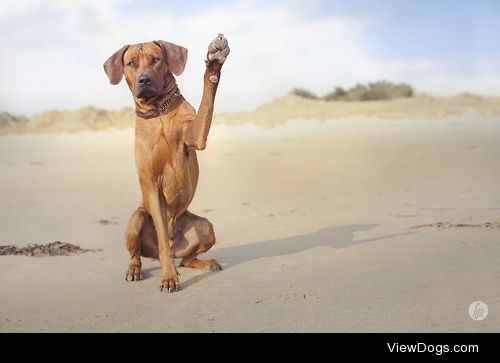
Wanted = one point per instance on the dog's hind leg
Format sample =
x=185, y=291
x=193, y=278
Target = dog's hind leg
x=195, y=236
x=132, y=239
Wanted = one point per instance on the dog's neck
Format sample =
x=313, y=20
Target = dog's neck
x=159, y=105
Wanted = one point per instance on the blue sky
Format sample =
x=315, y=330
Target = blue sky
x=439, y=29
x=53, y=50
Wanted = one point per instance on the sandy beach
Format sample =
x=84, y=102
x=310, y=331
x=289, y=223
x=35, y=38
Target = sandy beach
x=350, y=224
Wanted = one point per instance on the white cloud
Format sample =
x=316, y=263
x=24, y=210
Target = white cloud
x=52, y=53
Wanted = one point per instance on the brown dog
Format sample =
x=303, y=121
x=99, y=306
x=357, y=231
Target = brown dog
x=168, y=132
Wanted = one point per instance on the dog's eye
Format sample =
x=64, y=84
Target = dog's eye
x=155, y=60
x=131, y=63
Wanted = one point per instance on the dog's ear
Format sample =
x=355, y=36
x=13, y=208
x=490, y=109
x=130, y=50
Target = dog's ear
x=114, y=66
x=175, y=55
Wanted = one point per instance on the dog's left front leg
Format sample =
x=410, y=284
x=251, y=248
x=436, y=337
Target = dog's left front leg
x=197, y=134
x=170, y=279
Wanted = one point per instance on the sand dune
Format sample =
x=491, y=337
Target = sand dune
x=10, y=123
x=84, y=119
x=419, y=107
x=276, y=112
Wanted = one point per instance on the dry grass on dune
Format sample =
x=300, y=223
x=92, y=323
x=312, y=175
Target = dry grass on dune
x=87, y=118
x=9, y=122
x=275, y=112
x=56, y=121
x=418, y=107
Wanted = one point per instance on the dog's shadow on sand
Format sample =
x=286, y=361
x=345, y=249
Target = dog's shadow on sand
x=334, y=237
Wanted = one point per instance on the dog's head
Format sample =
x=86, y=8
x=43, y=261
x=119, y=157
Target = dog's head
x=148, y=68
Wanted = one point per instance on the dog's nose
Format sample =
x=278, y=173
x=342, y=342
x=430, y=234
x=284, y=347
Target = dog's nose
x=144, y=80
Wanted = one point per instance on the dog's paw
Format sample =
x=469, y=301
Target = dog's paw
x=218, y=50
x=133, y=273
x=212, y=265
x=170, y=283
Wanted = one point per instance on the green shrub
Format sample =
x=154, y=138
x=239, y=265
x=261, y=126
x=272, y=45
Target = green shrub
x=357, y=93
x=304, y=94
x=380, y=90
x=337, y=95
x=383, y=90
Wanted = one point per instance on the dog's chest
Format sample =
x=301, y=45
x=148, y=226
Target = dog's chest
x=160, y=152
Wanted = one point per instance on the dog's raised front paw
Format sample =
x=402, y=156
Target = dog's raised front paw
x=218, y=50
